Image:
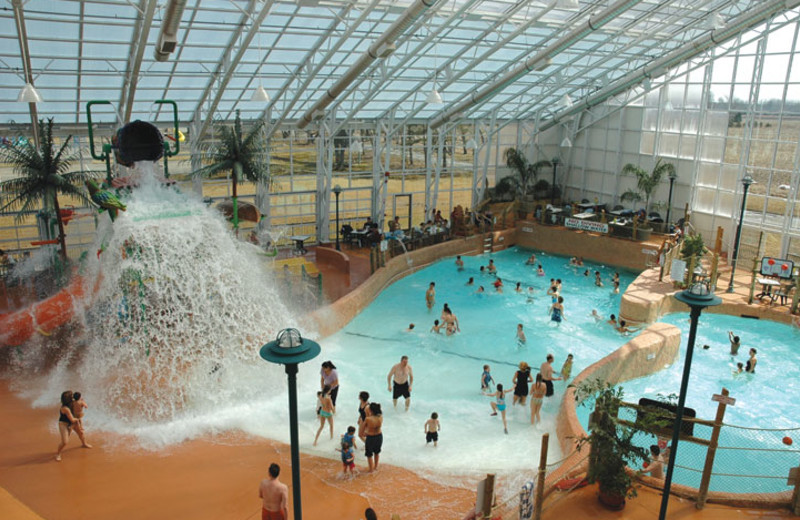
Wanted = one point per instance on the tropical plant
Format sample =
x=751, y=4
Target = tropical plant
x=693, y=246
x=527, y=173
x=243, y=155
x=43, y=175
x=646, y=182
x=612, y=440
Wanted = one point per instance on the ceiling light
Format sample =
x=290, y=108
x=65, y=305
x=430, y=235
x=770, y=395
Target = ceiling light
x=434, y=98
x=647, y=84
x=260, y=94
x=715, y=21
x=668, y=105
x=543, y=64
x=565, y=102
x=568, y=4
x=566, y=143
x=29, y=94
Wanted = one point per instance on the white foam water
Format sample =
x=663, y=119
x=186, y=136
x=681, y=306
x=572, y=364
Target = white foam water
x=169, y=348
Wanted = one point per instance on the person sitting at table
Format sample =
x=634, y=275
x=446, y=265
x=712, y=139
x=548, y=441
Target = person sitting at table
x=394, y=225
x=437, y=218
x=368, y=224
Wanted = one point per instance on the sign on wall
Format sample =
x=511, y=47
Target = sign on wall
x=594, y=227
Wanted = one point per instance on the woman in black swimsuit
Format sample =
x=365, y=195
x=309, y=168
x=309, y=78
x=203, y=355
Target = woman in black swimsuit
x=363, y=403
x=65, y=421
x=521, y=379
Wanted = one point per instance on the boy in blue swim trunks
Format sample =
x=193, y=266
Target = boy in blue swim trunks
x=486, y=378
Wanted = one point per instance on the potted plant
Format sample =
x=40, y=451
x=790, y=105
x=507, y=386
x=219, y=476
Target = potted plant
x=646, y=183
x=611, y=441
x=43, y=175
x=243, y=155
x=692, y=247
x=541, y=189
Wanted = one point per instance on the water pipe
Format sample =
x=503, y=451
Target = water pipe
x=105, y=155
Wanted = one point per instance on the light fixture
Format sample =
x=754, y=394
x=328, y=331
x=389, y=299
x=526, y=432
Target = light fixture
x=668, y=105
x=569, y=4
x=471, y=144
x=647, y=84
x=434, y=98
x=259, y=94
x=565, y=102
x=29, y=94
x=566, y=143
x=543, y=64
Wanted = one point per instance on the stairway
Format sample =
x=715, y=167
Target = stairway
x=487, y=244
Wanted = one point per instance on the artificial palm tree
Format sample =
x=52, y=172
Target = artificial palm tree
x=527, y=172
x=646, y=182
x=43, y=175
x=242, y=155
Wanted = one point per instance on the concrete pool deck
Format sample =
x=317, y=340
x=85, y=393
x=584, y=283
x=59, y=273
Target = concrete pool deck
x=217, y=477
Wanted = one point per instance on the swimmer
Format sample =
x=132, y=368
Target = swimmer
x=539, y=270
x=530, y=294
x=451, y=321
x=586, y=273
x=521, y=339
x=492, y=268
x=624, y=329
x=480, y=290
x=410, y=327
x=436, y=327
x=432, y=428
x=573, y=261
x=471, y=281
x=750, y=367
x=598, y=281
x=580, y=261
x=558, y=284
x=486, y=378
x=566, y=368
x=595, y=315
x=518, y=288
x=616, y=287
x=459, y=263
x=430, y=295
x=546, y=371
x=557, y=311
x=612, y=321
x=538, y=390
x=739, y=369
x=483, y=269
x=326, y=413
x=498, y=284
x=735, y=343
x=499, y=405
x=521, y=379
x=531, y=260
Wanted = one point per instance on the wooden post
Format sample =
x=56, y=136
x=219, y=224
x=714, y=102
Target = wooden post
x=635, y=225
x=796, y=297
x=794, y=481
x=488, y=497
x=537, y=504
x=702, y=493
x=690, y=271
x=753, y=274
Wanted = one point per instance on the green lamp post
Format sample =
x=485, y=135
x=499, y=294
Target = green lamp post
x=698, y=296
x=289, y=349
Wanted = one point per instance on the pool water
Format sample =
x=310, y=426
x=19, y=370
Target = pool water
x=447, y=370
x=766, y=399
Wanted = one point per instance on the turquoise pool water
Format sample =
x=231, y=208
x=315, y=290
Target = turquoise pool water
x=447, y=370
x=766, y=399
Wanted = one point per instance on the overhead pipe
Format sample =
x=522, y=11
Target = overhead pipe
x=380, y=48
x=168, y=35
x=24, y=52
x=536, y=62
x=749, y=19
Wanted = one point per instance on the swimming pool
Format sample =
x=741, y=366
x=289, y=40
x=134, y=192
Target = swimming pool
x=447, y=369
x=766, y=399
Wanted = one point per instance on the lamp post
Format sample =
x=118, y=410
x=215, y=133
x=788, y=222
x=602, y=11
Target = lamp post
x=698, y=296
x=746, y=182
x=555, y=162
x=672, y=176
x=289, y=349
x=336, y=191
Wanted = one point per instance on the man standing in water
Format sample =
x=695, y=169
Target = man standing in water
x=547, y=375
x=402, y=377
x=274, y=496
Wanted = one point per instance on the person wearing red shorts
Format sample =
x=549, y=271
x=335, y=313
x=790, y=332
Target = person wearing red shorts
x=274, y=496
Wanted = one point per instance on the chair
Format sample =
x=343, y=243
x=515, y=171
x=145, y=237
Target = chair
x=784, y=292
x=655, y=214
x=618, y=207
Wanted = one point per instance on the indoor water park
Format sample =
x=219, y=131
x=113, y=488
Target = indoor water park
x=408, y=260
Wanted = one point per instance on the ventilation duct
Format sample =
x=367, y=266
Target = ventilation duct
x=168, y=35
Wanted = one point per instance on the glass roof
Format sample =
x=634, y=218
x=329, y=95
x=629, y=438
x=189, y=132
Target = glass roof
x=86, y=50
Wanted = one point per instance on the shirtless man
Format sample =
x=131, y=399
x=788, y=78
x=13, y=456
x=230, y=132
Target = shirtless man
x=274, y=496
x=547, y=375
x=403, y=378
x=373, y=441
x=430, y=295
x=736, y=342
x=459, y=263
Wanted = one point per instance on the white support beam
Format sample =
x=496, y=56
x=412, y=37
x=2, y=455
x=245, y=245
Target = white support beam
x=24, y=52
x=138, y=44
x=324, y=179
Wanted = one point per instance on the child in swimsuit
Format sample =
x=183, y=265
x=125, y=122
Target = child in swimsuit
x=432, y=428
x=348, y=459
x=486, y=378
x=538, y=390
x=566, y=369
x=325, y=413
x=539, y=270
x=350, y=437
x=499, y=405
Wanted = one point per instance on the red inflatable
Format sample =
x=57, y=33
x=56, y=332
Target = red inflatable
x=787, y=440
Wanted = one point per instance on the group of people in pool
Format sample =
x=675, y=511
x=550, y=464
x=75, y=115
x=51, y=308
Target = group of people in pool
x=540, y=388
